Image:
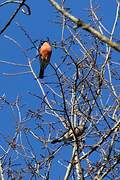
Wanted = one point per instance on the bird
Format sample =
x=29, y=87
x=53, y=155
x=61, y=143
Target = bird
x=69, y=135
x=44, y=51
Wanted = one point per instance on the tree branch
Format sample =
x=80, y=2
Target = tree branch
x=85, y=26
x=12, y=17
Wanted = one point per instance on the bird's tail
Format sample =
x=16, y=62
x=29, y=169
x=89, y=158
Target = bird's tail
x=55, y=141
x=41, y=74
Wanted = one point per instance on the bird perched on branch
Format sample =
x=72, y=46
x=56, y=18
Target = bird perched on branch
x=69, y=135
x=45, y=51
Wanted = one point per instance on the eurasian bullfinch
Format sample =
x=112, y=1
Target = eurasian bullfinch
x=45, y=51
x=68, y=136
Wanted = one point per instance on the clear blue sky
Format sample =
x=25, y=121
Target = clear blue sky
x=40, y=25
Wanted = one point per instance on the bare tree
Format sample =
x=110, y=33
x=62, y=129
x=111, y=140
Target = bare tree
x=75, y=127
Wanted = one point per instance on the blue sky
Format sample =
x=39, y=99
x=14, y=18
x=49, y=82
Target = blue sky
x=40, y=25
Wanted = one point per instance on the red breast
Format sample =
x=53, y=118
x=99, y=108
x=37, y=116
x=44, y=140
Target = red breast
x=45, y=51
